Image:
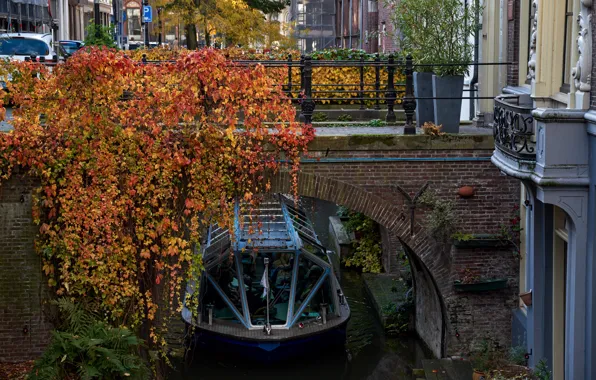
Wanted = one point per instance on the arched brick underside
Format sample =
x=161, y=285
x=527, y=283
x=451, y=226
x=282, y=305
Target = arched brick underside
x=428, y=268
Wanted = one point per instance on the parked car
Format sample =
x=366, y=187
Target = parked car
x=18, y=46
x=69, y=47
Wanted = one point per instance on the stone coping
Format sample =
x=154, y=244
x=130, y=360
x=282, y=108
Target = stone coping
x=372, y=142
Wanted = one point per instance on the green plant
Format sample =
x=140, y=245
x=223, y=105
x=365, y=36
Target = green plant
x=441, y=220
x=517, y=355
x=397, y=318
x=462, y=237
x=319, y=116
x=367, y=247
x=376, y=123
x=345, y=117
x=437, y=31
x=541, y=371
x=488, y=355
x=469, y=276
x=87, y=348
x=511, y=230
x=99, y=35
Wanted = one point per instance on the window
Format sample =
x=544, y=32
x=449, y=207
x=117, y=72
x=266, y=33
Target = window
x=134, y=21
x=568, y=43
x=23, y=46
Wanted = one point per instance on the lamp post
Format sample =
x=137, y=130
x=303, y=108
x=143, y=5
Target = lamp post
x=146, y=3
x=159, y=9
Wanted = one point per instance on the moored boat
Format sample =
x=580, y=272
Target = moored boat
x=268, y=290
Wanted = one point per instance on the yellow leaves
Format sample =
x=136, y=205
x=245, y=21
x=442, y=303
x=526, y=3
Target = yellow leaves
x=126, y=186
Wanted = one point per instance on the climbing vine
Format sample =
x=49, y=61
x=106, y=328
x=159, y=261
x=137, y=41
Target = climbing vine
x=134, y=161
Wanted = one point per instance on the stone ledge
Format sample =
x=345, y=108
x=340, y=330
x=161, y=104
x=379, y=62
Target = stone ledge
x=370, y=142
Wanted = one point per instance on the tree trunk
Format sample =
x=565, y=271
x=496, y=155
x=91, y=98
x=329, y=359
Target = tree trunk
x=191, y=36
x=207, y=38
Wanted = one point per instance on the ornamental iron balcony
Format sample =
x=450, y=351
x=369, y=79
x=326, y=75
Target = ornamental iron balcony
x=513, y=127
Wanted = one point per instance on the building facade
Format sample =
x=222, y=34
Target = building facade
x=348, y=24
x=545, y=135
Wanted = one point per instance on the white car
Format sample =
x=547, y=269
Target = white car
x=18, y=46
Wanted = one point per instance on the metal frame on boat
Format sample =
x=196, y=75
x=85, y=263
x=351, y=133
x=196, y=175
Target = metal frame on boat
x=300, y=289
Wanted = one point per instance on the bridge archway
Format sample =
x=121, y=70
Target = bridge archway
x=431, y=312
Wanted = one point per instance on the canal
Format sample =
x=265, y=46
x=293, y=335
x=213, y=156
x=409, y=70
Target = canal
x=369, y=354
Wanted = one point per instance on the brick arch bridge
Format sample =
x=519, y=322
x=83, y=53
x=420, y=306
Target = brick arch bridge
x=363, y=173
x=428, y=279
x=359, y=172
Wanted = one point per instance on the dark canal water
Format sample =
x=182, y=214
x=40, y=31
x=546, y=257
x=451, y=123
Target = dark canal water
x=369, y=354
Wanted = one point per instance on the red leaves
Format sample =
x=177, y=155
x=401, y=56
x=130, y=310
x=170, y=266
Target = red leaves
x=125, y=182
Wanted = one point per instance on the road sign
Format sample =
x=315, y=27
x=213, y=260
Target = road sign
x=147, y=13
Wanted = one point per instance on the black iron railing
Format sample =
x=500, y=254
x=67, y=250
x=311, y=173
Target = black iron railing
x=513, y=127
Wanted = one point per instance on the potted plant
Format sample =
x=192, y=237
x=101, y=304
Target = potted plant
x=470, y=280
x=454, y=24
x=461, y=240
x=414, y=19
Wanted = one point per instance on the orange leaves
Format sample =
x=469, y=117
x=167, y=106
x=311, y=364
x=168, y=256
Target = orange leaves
x=133, y=160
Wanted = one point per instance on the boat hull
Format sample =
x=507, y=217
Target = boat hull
x=269, y=352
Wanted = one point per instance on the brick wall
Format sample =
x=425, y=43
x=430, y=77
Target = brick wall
x=24, y=331
x=513, y=36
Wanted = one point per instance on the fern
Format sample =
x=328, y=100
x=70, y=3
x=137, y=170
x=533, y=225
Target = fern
x=88, y=348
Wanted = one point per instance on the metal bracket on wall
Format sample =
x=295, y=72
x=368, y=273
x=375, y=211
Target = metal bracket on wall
x=412, y=202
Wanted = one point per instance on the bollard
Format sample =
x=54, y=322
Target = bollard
x=409, y=101
x=324, y=312
x=210, y=310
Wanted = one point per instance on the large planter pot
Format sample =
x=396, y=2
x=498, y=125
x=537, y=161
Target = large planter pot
x=479, y=375
x=448, y=110
x=423, y=88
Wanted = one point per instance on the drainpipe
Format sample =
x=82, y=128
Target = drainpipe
x=474, y=80
x=341, y=33
x=361, y=22
x=350, y=21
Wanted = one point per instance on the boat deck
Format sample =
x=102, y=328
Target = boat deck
x=310, y=328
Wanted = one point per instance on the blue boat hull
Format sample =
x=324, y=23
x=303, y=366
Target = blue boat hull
x=269, y=352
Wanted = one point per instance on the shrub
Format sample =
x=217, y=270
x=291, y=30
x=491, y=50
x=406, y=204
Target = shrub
x=367, y=247
x=87, y=348
x=376, y=123
x=345, y=117
x=319, y=116
x=441, y=220
x=99, y=35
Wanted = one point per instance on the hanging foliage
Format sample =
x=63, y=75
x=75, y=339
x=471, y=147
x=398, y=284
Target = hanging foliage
x=134, y=161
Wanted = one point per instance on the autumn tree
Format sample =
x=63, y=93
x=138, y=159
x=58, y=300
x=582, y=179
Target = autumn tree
x=134, y=161
x=240, y=21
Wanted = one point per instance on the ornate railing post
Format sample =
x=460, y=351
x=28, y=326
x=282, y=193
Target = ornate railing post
x=361, y=94
x=302, y=72
x=290, y=75
x=390, y=95
x=409, y=101
x=377, y=81
x=307, y=104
